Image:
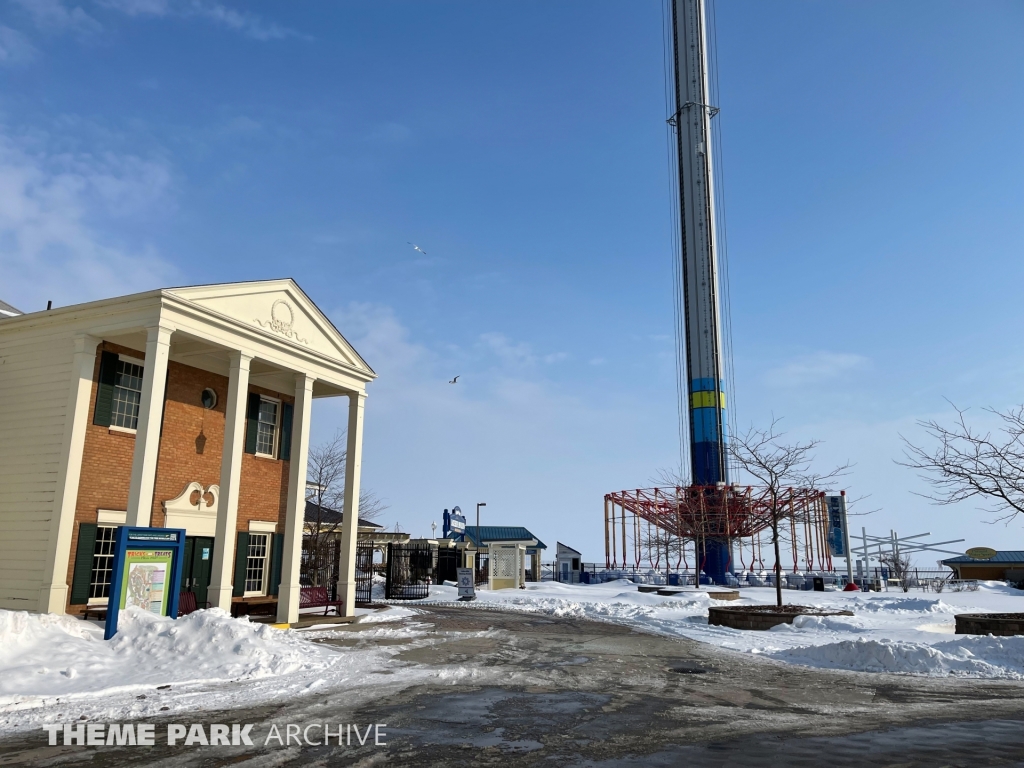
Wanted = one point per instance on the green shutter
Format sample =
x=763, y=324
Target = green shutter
x=285, y=454
x=252, y=416
x=83, y=563
x=102, y=416
x=276, y=556
x=241, y=558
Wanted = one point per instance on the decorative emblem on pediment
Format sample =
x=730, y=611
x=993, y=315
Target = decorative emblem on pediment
x=194, y=509
x=282, y=316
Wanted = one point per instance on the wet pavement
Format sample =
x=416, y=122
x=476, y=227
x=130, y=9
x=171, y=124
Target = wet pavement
x=570, y=692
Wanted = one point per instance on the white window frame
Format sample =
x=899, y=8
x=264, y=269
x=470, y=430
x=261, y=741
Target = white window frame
x=110, y=539
x=277, y=427
x=142, y=364
x=266, y=566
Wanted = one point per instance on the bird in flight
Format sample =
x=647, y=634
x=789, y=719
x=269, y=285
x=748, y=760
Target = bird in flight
x=455, y=380
x=417, y=248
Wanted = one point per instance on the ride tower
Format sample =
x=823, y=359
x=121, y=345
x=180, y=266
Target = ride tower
x=699, y=290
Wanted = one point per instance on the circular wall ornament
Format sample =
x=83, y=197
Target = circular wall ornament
x=282, y=317
x=280, y=310
x=209, y=398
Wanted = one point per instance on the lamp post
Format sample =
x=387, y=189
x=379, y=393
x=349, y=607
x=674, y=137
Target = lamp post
x=481, y=504
x=479, y=543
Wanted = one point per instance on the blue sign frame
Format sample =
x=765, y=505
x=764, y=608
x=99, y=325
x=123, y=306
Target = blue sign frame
x=130, y=537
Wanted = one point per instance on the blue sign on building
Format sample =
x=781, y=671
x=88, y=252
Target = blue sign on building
x=453, y=522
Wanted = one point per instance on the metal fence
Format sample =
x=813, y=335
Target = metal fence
x=410, y=571
x=878, y=578
x=364, y=573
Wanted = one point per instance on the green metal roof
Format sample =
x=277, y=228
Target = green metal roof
x=501, y=533
x=1001, y=557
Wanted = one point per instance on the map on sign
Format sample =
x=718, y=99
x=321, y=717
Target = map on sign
x=146, y=583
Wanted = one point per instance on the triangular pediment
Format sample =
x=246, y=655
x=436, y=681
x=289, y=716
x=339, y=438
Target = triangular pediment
x=280, y=308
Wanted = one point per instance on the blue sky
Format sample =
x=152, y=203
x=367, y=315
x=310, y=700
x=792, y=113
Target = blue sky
x=873, y=160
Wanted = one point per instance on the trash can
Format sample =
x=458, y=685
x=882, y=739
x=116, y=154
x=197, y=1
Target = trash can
x=673, y=579
x=819, y=584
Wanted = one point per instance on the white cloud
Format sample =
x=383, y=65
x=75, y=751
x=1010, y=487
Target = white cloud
x=54, y=211
x=15, y=47
x=55, y=16
x=246, y=23
x=816, y=368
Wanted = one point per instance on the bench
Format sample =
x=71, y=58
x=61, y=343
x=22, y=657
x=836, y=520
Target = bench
x=317, y=597
x=186, y=604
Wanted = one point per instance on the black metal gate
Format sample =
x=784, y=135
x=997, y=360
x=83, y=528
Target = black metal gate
x=364, y=573
x=447, y=563
x=410, y=571
x=320, y=565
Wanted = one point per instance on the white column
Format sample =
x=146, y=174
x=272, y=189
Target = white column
x=53, y=596
x=288, y=592
x=350, y=522
x=147, y=434
x=230, y=481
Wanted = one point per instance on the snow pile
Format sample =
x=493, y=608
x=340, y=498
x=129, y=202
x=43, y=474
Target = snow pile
x=889, y=631
x=48, y=655
x=967, y=656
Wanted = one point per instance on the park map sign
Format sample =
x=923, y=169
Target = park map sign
x=146, y=572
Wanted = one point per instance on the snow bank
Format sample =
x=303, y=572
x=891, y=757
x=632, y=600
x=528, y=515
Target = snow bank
x=889, y=631
x=967, y=656
x=48, y=655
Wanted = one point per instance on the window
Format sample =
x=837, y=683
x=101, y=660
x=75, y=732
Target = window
x=102, y=562
x=127, y=395
x=256, y=564
x=266, y=427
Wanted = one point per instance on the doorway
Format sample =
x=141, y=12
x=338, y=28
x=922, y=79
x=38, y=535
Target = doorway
x=195, y=577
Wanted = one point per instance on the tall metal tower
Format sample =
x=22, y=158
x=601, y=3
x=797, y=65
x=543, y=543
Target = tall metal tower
x=699, y=254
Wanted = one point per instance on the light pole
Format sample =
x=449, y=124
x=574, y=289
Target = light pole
x=479, y=543
x=481, y=504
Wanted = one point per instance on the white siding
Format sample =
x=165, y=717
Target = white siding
x=35, y=370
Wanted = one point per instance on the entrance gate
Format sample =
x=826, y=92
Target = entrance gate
x=410, y=571
x=364, y=574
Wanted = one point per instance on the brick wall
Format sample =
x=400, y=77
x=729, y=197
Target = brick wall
x=191, y=447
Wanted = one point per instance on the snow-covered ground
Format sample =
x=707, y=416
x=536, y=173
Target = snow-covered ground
x=889, y=631
x=59, y=668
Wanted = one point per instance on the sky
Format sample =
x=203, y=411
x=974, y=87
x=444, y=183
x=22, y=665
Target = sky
x=873, y=157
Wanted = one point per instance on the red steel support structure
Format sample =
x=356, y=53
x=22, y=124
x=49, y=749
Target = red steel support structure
x=698, y=512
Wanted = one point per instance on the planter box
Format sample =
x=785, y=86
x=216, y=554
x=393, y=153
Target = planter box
x=1002, y=624
x=762, y=617
x=727, y=594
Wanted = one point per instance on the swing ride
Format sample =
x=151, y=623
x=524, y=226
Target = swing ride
x=713, y=517
x=647, y=525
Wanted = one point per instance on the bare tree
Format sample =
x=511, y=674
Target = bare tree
x=325, y=478
x=899, y=567
x=972, y=463
x=781, y=469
